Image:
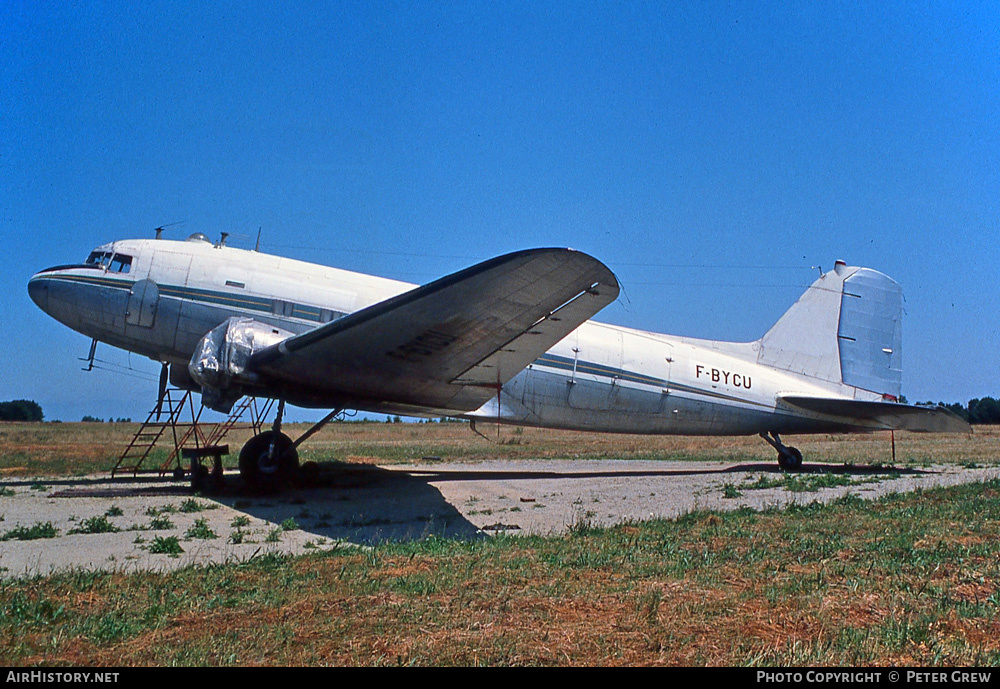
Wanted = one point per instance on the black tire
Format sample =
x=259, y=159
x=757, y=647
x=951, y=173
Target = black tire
x=261, y=473
x=790, y=461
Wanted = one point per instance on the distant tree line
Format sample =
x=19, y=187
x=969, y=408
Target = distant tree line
x=20, y=410
x=978, y=411
x=28, y=410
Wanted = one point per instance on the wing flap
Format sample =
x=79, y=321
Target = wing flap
x=512, y=357
x=416, y=348
x=884, y=415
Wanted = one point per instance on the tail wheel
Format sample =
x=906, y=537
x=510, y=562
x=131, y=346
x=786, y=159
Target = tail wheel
x=790, y=460
x=265, y=469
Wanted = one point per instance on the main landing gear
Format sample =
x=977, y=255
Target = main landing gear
x=270, y=461
x=789, y=458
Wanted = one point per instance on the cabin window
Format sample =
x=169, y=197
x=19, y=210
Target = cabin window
x=121, y=263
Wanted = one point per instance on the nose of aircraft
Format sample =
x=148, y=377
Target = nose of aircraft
x=38, y=290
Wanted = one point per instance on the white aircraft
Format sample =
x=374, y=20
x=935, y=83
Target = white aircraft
x=507, y=340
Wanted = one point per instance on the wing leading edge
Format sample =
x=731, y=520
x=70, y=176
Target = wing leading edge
x=450, y=343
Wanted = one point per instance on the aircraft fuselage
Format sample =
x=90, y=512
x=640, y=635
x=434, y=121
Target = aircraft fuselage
x=158, y=298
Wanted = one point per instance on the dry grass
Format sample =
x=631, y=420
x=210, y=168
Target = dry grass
x=818, y=585
x=30, y=449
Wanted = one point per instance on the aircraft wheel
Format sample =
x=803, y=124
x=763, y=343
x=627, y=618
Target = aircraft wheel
x=791, y=460
x=260, y=471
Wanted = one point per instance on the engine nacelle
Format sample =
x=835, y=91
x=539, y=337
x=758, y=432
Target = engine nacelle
x=219, y=363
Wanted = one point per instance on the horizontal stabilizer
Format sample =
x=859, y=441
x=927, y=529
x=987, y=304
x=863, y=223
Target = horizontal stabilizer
x=884, y=415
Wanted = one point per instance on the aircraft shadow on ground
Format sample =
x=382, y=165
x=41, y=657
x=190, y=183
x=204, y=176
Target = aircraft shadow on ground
x=757, y=467
x=355, y=503
x=367, y=504
x=362, y=504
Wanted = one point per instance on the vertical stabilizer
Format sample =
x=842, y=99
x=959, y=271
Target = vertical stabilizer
x=846, y=328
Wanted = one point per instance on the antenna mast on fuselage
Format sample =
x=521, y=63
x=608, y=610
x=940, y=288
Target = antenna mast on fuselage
x=159, y=230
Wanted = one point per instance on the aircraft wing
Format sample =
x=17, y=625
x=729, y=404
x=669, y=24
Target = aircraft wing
x=450, y=343
x=888, y=415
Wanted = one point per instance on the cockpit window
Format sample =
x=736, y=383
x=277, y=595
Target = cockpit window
x=116, y=263
x=99, y=258
x=121, y=264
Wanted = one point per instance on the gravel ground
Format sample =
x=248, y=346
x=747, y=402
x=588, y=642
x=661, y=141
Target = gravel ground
x=366, y=504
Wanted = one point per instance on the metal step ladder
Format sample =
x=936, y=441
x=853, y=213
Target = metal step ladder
x=185, y=435
x=160, y=418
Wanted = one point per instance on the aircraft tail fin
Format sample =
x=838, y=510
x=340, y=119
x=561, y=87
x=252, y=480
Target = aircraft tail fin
x=846, y=328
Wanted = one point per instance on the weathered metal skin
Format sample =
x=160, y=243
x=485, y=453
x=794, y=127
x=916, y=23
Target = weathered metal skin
x=601, y=377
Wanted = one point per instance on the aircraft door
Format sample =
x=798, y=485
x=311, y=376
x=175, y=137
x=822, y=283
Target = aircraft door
x=647, y=363
x=629, y=374
x=143, y=299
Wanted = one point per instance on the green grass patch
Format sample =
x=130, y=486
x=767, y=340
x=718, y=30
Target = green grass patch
x=31, y=533
x=166, y=545
x=160, y=523
x=191, y=505
x=99, y=524
x=200, y=530
x=808, y=483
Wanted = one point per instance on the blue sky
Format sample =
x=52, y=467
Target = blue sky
x=710, y=153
